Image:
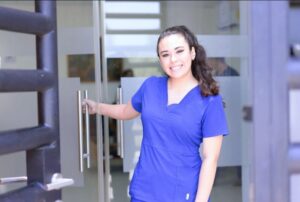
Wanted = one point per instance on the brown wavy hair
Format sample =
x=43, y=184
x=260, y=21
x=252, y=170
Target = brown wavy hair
x=200, y=69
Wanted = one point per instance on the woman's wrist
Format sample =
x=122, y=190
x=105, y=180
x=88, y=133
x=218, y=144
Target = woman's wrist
x=99, y=111
x=199, y=199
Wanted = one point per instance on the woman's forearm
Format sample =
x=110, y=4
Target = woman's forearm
x=116, y=111
x=206, y=179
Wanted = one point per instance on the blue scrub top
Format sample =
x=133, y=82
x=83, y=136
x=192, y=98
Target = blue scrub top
x=169, y=163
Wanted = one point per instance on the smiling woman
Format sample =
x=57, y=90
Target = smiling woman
x=179, y=112
x=179, y=51
x=175, y=56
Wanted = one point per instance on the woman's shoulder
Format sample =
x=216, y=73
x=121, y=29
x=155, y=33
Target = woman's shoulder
x=213, y=100
x=158, y=80
x=210, y=98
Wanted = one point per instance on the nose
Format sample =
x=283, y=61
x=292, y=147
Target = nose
x=173, y=58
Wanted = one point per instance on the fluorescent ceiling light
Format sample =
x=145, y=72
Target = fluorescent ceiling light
x=120, y=7
x=133, y=24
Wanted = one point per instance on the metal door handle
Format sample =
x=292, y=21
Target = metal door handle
x=80, y=129
x=295, y=50
x=120, y=139
x=8, y=180
x=58, y=182
x=87, y=155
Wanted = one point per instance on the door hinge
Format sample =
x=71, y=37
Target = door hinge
x=248, y=113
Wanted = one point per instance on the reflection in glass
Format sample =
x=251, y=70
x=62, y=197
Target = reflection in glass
x=222, y=68
x=138, y=67
x=82, y=66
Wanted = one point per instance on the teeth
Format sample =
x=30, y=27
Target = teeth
x=175, y=68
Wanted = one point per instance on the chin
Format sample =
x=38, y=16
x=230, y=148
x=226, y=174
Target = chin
x=176, y=76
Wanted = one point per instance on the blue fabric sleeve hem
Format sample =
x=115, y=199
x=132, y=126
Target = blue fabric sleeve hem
x=137, y=98
x=216, y=134
x=135, y=106
x=214, y=118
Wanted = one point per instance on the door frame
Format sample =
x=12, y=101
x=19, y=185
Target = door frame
x=268, y=55
x=98, y=26
x=268, y=58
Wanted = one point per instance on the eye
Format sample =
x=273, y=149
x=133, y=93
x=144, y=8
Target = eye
x=180, y=51
x=164, y=55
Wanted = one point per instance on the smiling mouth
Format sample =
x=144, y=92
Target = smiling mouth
x=176, y=68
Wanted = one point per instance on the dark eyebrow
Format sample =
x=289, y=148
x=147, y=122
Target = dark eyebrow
x=178, y=47
x=165, y=51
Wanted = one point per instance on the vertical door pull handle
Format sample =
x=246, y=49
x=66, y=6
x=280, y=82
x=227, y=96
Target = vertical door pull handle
x=87, y=155
x=120, y=138
x=80, y=129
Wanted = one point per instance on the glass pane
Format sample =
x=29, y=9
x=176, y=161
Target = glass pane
x=76, y=60
x=25, y=104
x=17, y=50
x=18, y=110
x=211, y=17
x=221, y=27
x=225, y=66
x=22, y=5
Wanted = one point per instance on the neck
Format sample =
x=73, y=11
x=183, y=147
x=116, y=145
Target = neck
x=182, y=83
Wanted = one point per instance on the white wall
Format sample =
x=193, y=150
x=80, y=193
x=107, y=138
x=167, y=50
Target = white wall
x=202, y=17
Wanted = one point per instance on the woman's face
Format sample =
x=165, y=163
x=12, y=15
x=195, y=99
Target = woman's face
x=175, y=56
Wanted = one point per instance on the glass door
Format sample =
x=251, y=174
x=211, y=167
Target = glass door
x=78, y=59
x=78, y=62
x=18, y=109
x=131, y=32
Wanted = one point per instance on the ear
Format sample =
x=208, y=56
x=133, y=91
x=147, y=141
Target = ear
x=158, y=58
x=159, y=61
x=193, y=52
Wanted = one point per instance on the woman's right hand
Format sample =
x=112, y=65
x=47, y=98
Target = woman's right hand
x=115, y=111
x=93, y=107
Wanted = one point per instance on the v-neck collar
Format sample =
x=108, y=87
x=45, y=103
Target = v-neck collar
x=166, y=93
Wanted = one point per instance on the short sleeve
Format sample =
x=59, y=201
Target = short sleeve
x=137, y=98
x=214, y=120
